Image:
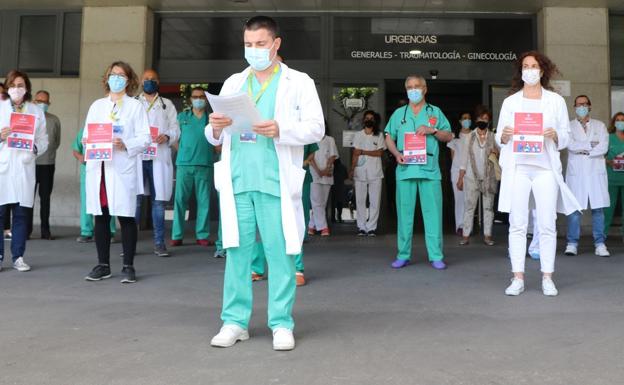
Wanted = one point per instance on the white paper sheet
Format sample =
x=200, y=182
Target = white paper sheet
x=237, y=107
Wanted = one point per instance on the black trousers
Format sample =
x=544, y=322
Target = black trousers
x=45, y=183
x=102, y=234
x=7, y=220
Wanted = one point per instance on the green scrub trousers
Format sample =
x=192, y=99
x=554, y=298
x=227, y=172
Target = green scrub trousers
x=256, y=210
x=199, y=180
x=258, y=265
x=430, y=192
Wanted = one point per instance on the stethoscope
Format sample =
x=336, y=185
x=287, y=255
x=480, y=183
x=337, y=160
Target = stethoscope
x=428, y=111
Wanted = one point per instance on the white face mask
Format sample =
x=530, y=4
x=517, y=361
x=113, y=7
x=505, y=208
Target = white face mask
x=17, y=93
x=531, y=76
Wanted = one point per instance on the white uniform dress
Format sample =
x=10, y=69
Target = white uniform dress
x=17, y=168
x=457, y=145
x=120, y=173
x=162, y=115
x=367, y=176
x=319, y=190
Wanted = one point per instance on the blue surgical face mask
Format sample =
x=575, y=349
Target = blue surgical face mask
x=199, y=104
x=44, y=107
x=415, y=95
x=116, y=83
x=619, y=125
x=259, y=58
x=582, y=111
x=466, y=123
x=150, y=86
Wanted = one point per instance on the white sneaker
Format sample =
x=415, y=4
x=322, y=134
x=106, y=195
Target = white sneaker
x=20, y=265
x=571, y=249
x=548, y=287
x=283, y=339
x=516, y=287
x=601, y=250
x=229, y=335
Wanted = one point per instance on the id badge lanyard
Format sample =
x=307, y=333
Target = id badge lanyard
x=115, y=115
x=251, y=137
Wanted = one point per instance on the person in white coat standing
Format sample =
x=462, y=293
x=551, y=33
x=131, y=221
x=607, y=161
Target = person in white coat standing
x=322, y=170
x=156, y=172
x=457, y=145
x=369, y=145
x=111, y=186
x=586, y=175
x=17, y=166
x=260, y=181
x=539, y=174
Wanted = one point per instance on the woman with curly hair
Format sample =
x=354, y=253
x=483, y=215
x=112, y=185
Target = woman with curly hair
x=111, y=186
x=538, y=174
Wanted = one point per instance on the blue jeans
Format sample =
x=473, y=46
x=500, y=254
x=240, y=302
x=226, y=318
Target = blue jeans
x=158, y=207
x=574, y=227
x=18, y=239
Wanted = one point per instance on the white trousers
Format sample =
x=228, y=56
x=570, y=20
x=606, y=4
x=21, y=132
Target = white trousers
x=372, y=189
x=319, y=193
x=458, y=196
x=545, y=190
x=534, y=246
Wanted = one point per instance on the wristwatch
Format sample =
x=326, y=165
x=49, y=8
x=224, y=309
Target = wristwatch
x=435, y=131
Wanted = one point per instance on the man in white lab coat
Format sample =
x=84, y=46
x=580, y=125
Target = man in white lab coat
x=586, y=175
x=155, y=171
x=260, y=179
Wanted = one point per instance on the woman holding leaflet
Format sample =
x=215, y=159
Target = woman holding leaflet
x=536, y=169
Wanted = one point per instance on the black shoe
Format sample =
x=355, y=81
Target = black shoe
x=372, y=233
x=47, y=235
x=99, y=273
x=161, y=251
x=83, y=239
x=361, y=233
x=129, y=275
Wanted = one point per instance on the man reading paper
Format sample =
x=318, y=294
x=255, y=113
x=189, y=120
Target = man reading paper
x=260, y=179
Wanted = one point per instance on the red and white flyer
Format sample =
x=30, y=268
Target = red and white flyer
x=528, y=135
x=99, y=146
x=22, y=135
x=414, y=148
x=151, y=150
x=618, y=163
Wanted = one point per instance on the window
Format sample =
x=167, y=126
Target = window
x=37, y=43
x=221, y=38
x=41, y=43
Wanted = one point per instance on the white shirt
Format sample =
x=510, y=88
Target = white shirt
x=368, y=168
x=327, y=149
x=457, y=145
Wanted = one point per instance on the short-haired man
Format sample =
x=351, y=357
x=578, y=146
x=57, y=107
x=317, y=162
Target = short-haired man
x=418, y=118
x=260, y=179
x=45, y=165
x=586, y=175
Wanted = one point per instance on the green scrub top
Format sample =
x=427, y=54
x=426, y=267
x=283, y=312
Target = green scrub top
x=396, y=128
x=193, y=147
x=77, y=145
x=616, y=146
x=254, y=164
x=307, y=150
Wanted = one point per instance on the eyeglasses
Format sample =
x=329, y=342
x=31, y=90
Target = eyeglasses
x=120, y=74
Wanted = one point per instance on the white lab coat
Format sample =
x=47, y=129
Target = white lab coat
x=121, y=171
x=299, y=115
x=368, y=168
x=587, y=175
x=164, y=116
x=327, y=149
x=555, y=116
x=17, y=168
